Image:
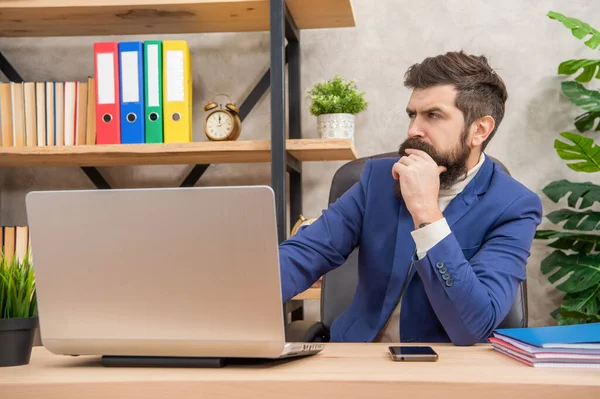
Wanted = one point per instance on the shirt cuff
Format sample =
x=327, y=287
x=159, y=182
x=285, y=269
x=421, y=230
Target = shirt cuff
x=427, y=237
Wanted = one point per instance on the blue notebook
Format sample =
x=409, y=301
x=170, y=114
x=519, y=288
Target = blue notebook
x=583, y=336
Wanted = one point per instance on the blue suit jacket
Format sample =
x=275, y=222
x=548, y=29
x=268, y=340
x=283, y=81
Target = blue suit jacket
x=493, y=222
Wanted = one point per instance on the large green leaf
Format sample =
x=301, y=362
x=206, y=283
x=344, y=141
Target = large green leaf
x=591, y=69
x=579, y=95
x=583, y=149
x=587, y=192
x=585, y=303
x=587, y=121
x=581, y=221
x=581, y=271
x=580, y=29
x=564, y=317
x=583, y=243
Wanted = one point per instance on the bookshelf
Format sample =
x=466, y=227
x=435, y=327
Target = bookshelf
x=283, y=19
x=246, y=151
x=312, y=293
x=35, y=18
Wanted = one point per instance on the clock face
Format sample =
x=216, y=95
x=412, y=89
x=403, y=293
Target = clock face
x=219, y=124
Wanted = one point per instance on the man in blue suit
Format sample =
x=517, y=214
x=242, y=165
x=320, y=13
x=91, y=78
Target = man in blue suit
x=444, y=233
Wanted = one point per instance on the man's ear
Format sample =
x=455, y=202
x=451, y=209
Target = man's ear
x=481, y=129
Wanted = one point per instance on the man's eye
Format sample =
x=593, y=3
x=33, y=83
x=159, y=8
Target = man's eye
x=411, y=116
x=433, y=115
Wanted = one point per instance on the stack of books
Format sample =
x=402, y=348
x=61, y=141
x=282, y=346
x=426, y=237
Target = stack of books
x=47, y=113
x=14, y=242
x=552, y=346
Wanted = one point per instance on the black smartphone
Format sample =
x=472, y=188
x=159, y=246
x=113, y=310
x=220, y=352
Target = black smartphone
x=413, y=353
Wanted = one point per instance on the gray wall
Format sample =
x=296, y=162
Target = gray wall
x=523, y=45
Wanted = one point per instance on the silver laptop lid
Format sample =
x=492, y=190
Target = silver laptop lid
x=162, y=272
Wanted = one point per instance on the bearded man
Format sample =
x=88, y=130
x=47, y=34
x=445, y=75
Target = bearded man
x=443, y=232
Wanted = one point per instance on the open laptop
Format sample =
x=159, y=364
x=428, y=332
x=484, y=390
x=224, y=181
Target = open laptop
x=159, y=272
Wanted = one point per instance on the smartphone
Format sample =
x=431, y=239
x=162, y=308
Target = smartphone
x=413, y=353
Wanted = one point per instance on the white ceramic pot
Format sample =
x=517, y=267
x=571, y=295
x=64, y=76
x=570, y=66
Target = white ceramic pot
x=336, y=126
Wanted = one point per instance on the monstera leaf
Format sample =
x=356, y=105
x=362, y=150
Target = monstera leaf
x=587, y=192
x=583, y=149
x=580, y=29
x=591, y=69
x=585, y=122
x=580, y=96
x=581, y=221
x=584, y=303
x=582, y=243
x=581, y=271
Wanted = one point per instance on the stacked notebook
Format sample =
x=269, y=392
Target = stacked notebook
x=553, y=346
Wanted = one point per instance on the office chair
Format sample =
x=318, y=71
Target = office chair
x=338, y=286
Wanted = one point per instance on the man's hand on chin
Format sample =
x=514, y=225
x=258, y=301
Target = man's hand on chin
x=419, y=178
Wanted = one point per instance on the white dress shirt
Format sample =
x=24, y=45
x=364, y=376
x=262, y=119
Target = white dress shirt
x=426, y=238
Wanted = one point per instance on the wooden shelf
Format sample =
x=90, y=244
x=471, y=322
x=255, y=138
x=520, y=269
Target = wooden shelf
x=309, y=294
x=207, y=152
x=35, y=18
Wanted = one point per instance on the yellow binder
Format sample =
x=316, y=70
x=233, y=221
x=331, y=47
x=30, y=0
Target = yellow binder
x=177, y=91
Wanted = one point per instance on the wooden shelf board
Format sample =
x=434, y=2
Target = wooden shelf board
x=242, y=151
x=35, y=18
x=309, y=294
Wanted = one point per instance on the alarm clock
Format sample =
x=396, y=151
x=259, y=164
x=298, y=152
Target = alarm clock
x=222, y=124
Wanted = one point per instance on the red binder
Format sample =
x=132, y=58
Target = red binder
x=106, y=70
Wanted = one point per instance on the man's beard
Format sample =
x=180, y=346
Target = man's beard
x=455, y=162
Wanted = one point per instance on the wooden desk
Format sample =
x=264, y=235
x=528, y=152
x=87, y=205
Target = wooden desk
x=340, y=371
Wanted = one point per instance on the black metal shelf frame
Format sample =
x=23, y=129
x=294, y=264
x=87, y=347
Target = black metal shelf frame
x=282, y=28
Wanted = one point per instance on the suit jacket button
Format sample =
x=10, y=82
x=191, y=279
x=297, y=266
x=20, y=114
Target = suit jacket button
x=439, y=265
x=450, y=282
x=443, y=270
x=446, y=277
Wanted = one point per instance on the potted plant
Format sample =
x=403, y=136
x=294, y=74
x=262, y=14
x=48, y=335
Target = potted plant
x=335, y=103
x=575, y=263
x=18, y=310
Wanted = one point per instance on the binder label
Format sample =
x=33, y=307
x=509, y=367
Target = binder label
x=175, y=76
x=153, y=78
x=130, y=72
x=106, y=75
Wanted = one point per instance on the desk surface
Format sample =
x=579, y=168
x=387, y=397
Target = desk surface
x=341, y=370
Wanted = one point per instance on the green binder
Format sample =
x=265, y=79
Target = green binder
x=153, y=101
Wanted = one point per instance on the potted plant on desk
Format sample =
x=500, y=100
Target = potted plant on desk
x=335, y=103
x=18, y=310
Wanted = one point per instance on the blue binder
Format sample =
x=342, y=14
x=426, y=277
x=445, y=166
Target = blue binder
x=573, y=336
x=131, y=81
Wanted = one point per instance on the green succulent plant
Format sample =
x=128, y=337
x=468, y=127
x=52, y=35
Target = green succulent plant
x=336, y=96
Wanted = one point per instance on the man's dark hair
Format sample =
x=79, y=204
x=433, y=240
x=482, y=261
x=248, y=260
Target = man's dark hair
x=480, y=91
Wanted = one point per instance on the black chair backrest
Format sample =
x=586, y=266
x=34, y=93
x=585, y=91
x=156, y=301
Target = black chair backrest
x=339, y=285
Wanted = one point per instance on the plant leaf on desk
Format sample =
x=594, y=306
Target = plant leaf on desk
x=583, y=149
x=17, y=288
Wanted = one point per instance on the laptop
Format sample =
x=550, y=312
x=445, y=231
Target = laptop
x=159, y=272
